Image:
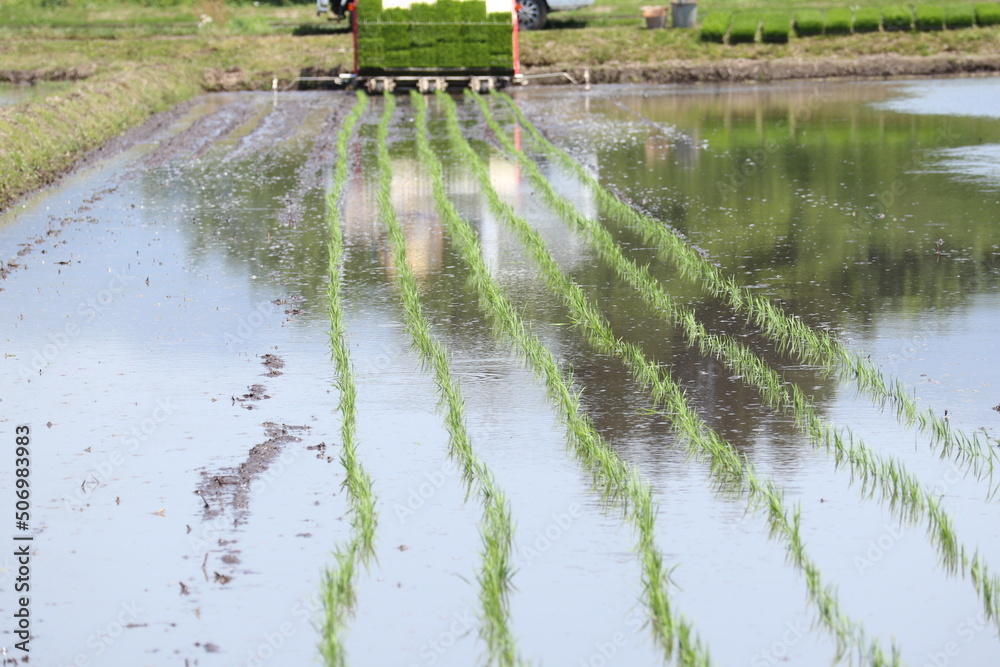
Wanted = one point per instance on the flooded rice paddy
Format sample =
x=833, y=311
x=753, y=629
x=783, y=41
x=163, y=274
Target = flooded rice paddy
x=543, y=391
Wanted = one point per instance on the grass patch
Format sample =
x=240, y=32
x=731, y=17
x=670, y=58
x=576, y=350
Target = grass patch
x=988, y=14
x=715, y=27
x=42, y=138
x=448, y=33
x=775, y=28
x=838, y=21
x=897, y=17
x=959, y=16
x=808, y=22
x=867, y=19
x=929, y=17
x=744, y=29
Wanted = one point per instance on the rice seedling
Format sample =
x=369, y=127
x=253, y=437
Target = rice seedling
x=838, y=21
x=988, y=14
x=902, y=490
x=790, y=334
x=897, y=17
x=867, y=19
x=733, y=472
x=446, y=33
x=775, y=28
x=959, y=16
x=618, y=483
x=715, y=26
x=338, y=582
x=929, y=17
x=496, y=529
x=808, y=22
x=744, y=29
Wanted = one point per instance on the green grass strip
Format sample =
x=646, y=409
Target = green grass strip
x=744, y=29
x=959, y=16
x=790, y=334
x=731, y=470
x=929, y=17
x=715, y=27
x=618, y=482
x=808, y=22
x=496, y=529
x=897, y=17
x=775, y=28
x=40, y=139
x=867, y=19
x=338, y=582
x=838, y=21
x=988, y=14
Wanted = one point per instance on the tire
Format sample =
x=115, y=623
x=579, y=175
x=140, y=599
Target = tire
x=532, y=14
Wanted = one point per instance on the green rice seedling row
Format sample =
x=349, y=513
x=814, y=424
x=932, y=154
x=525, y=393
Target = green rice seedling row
x=618, y=483
x=732, y=471
x=810, y=345
x=338, y=594
x=496, y=529
x=899, y=488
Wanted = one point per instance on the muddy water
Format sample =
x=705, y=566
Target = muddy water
x=166, y=336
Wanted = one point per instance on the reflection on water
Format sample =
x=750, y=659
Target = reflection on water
x=816, y=193
x=979, y=164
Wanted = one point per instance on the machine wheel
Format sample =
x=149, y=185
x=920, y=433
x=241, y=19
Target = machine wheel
x=532, y=14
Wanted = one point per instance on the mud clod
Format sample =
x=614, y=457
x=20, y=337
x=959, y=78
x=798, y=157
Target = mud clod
x=230, y=488
x=273, y=363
